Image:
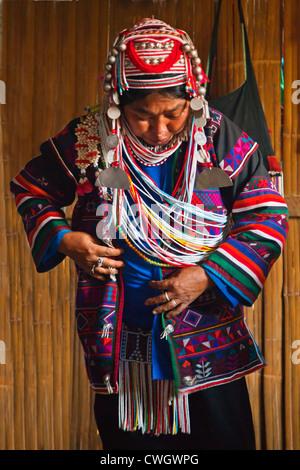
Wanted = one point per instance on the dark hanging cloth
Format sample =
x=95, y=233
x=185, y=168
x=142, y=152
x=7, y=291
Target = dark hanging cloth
x=243, y=106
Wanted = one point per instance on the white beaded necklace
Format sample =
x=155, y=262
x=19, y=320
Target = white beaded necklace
x=145, y=154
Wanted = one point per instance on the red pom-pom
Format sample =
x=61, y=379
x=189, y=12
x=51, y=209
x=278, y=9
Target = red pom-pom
x=84, y=187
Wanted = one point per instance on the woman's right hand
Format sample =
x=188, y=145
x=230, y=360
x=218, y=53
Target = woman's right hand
x=85, y=251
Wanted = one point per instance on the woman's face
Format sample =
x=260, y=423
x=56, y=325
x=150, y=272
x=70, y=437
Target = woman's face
x=156, y=118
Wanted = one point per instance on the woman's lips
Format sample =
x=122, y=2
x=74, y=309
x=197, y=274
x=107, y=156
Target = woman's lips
x=159, y=142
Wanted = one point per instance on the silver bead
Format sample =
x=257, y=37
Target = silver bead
x=201, y=90
x=107, y=67
x=114, y=51
x=106, y=87
x=186, y=47
x=197, y=70
x=196, y=61
x=143, y=45
x=108, y=77
x=111, y=59
x=121, y=47
x=193, y=53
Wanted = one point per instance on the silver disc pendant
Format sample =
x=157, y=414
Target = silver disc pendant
x=110, y=156
x=112, y=141
x=212, y=178
x=114, y=177
x=113, y=112
x=116, y=98
x=196, y=104
x=200, y=122
x=200, y=138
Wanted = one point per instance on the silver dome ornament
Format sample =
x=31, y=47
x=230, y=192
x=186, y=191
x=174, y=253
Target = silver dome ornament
x=196, y=61
x=113, y=112
x=186, y=47
x=111, y=59
x=201, y=90
x=197, y=70
x=193, y=54
x=121, y=47
x=107, y=87
x=108, y=77
x=114, y=51
x=108, y=67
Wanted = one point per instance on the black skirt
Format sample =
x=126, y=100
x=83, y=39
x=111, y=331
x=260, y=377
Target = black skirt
x=221, y=419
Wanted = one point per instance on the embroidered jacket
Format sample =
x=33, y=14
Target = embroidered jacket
x=210, y=343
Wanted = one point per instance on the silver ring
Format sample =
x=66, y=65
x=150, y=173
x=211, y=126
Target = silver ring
x=174, y=302
x=167, y=297
x=112, y=274
x=98, y=264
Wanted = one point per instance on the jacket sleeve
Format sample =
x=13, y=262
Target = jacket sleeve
x=42, y=189
x=259, y=218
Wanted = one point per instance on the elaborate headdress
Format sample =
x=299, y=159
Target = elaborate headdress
x=150, y=49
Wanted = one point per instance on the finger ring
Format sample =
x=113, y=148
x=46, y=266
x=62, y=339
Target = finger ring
x=174, y=302
x=98, y=264
x=167, y=297
x=112, y=274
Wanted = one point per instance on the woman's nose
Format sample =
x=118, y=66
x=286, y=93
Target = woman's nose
x=159, y=127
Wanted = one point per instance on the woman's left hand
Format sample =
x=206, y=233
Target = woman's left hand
x=179, y=290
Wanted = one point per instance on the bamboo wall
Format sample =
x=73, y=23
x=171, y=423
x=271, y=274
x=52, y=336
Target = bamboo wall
x=52, y=58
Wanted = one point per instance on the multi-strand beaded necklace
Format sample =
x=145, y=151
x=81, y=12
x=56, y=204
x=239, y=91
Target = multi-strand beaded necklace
x=161, y=226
